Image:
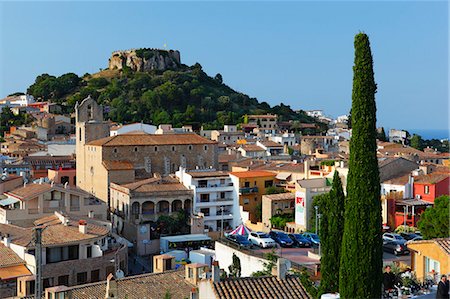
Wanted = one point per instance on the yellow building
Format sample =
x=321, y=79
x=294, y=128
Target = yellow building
x=251, y=186
x=430, y=257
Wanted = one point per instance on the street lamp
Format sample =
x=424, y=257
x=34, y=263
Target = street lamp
x=317, y=208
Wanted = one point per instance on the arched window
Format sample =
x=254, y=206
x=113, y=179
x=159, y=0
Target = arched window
x=148, y=208
x=135, y=210
x=163, y=206
x=177, y=205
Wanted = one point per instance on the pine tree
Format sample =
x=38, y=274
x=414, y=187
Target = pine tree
x=331, y=229
x=361, y=256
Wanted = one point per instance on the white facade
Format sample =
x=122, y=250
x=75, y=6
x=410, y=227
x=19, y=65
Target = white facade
x=314, y=113
x=343, y=119
x=214, y=197
x=284, y=139
x=21, y=101
x=137, y=127
x=397, y=136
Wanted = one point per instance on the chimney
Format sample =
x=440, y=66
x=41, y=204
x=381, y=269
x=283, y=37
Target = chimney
x=82, y=226
x=111, y=287
x=281, y=268
x=215, y=271
x=194, y=294
x=6, y=240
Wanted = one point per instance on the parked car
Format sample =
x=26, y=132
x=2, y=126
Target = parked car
x=394, y=247
x=393, y=237
x=281, y=238
x=313, y=238
x=299, y=240
x=411, y=236
x=240, y=241
x=261, y=239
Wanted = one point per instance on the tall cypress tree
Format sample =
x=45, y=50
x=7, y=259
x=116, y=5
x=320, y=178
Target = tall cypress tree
x=361, y=256
x=331, y=229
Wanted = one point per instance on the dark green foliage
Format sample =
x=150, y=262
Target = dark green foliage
x=434, y=222
x=441, y=146
x=235, y=267
x=8, y=119
x=349, y=121
x=271, y=258
x=279, y=221
x=417, y=142
x=258, y=211
x=361, y=257
x=319, y=201
x=186, y=95
x=331, y=229
x=16, y=94
x=327, y=163
x=53, y=88
x=275, y=190
x=309, y=285
x=171, y=224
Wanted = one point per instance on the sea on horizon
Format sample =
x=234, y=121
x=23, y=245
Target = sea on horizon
x=431, y=133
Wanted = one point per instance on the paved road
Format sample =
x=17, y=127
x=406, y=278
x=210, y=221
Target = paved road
x=300, y=255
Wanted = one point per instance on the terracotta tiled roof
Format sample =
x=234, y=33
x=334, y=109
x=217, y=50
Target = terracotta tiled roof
x=156, y=185
x=117, y=165
x=260, y=287
x=57, y=233
x=206, y=174
x=270, y=143
x=149, y=139
x=317, y=137
x=148, y=286
x=30, y=190
x=19, y=235
x=402, y=180
x=252, y=174
x=252, y=148
x=8, y=257
x=432, y=178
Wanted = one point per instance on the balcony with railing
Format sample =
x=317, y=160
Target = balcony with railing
x=248, y=190
x=202, y=187
x=214, y=202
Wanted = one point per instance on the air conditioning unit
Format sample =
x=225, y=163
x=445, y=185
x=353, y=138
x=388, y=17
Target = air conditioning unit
x=418, y=196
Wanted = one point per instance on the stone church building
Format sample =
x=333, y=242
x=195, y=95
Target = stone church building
x=103, y=159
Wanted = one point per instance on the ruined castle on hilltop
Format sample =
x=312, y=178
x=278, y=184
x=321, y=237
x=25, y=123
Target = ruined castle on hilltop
x=145, y=59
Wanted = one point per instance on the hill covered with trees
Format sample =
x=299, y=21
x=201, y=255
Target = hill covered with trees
x=182, y=95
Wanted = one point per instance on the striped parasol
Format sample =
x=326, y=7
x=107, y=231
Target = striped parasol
x=240, y=230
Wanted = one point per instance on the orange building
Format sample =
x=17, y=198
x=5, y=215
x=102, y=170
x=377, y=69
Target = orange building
x=250, y=187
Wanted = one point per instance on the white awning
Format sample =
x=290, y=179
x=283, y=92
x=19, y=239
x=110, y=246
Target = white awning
x=283, y=175
x=8, y=201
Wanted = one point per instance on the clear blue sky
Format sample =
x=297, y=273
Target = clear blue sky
x=298, y=53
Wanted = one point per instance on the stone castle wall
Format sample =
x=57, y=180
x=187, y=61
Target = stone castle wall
x=144, y=60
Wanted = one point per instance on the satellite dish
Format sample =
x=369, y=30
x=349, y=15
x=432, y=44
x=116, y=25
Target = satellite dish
x=120, y=274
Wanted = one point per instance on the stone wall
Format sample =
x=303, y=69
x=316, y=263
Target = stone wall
x=144, y=60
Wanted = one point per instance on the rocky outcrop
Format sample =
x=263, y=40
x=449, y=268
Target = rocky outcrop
x=144, y=60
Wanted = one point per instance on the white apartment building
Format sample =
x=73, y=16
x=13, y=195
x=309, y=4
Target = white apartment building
x=214, y=197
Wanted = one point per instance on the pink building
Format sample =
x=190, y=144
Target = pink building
x=63, y=175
